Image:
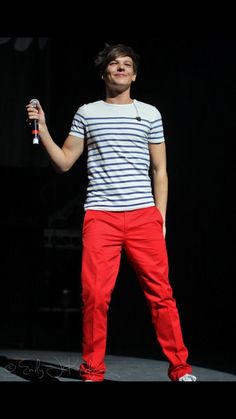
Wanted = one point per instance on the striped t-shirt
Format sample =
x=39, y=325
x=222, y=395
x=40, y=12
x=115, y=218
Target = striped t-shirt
x=118, y=159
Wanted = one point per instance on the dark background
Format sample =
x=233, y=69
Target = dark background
x=191, y=80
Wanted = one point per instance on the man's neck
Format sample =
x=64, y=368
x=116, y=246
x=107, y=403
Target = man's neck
x=118, y=98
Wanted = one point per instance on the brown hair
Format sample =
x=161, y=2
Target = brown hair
x=111, y=52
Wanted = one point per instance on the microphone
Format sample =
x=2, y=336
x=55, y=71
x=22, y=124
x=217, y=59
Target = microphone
x=34, y=123
x=137, y=117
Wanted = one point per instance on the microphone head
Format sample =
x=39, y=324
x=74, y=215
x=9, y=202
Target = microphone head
x=34, y=103
x=138, y=118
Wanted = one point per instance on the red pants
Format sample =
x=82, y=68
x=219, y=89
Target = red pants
x=139, y=233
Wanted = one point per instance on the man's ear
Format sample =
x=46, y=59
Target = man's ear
x=134, y=77
x=102, y=75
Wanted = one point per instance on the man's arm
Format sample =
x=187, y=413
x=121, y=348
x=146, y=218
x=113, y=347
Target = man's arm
x=159, y=177
x=63, y=157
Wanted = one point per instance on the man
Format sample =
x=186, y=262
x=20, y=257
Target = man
x=124, y=208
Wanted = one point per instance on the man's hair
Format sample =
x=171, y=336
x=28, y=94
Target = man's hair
x=111, y=52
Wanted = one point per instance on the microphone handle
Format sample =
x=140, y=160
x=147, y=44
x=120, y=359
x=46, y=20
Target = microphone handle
x=35, y=131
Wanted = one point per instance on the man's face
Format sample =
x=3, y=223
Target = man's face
x=119, y=72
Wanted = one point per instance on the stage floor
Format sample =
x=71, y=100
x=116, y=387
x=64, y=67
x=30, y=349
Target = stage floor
x=58, y=366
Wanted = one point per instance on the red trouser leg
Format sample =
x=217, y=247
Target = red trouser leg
x=102, y=240
x=146, y=249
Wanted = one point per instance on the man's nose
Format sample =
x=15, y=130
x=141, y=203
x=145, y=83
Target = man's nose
x=120, y=67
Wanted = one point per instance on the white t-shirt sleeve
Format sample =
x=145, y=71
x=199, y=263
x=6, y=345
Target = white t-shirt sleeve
x=78, y=126
x=156, y=132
